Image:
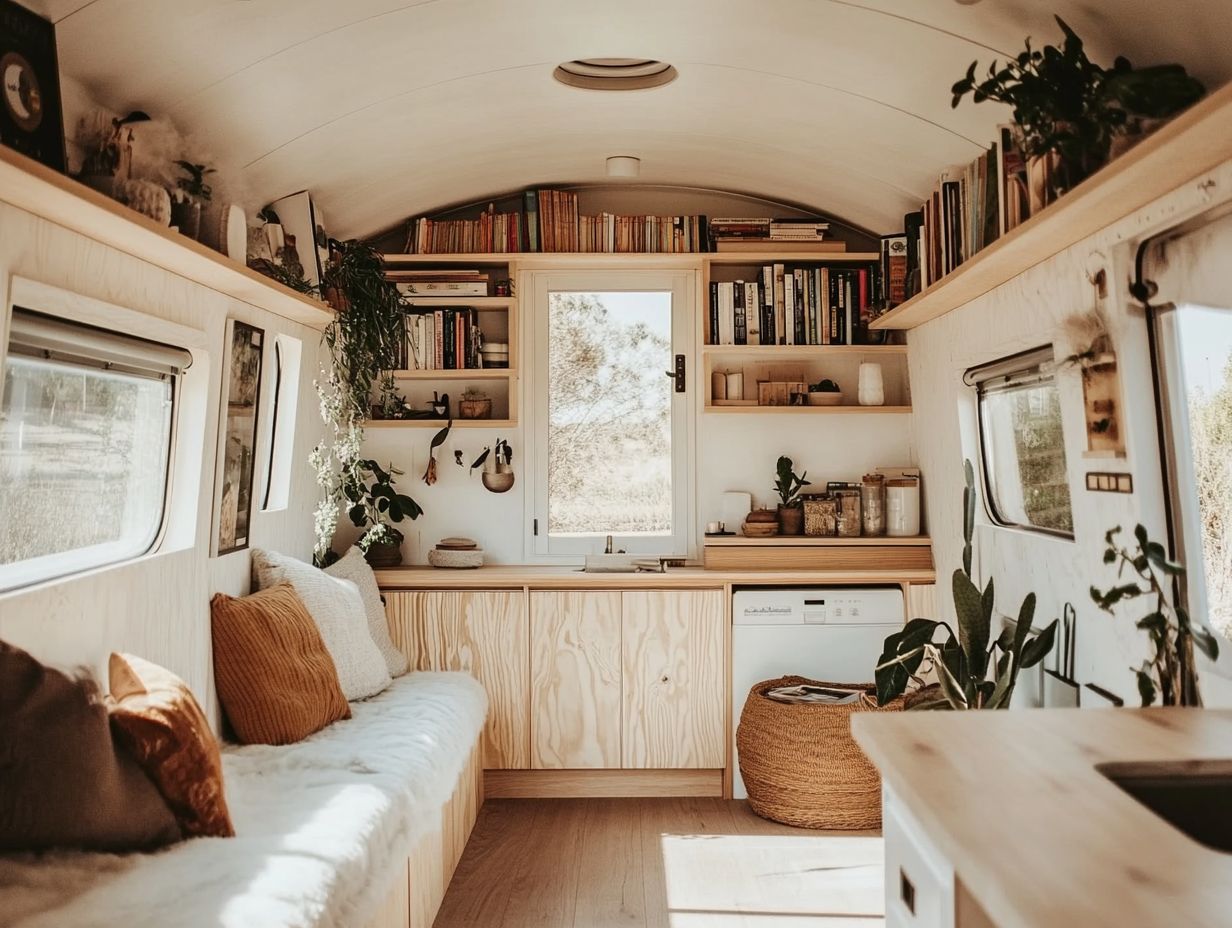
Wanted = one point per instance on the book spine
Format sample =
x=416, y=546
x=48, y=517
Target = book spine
x=752, y=309
x=789, y=307
x=742, y=326
x=780, y=332
x=767, y=306
x=714, y=314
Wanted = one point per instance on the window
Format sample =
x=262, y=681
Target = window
x=85, y=445
x=611, y=434
x=285, y=404
x=1022, y=445
x=1196, y=373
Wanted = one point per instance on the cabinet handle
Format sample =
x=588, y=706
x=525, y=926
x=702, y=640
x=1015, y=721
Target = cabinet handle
x=906, y=891
x=664, y=680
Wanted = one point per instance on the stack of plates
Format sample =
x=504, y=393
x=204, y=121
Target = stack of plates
x=456, y=553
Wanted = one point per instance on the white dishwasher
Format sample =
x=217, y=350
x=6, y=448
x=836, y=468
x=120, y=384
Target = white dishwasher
x=825, y=633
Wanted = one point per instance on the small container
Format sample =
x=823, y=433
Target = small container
x=903, y=506
x=494, y=354
x=821, y=516
x=873, y=504
x=848, y=513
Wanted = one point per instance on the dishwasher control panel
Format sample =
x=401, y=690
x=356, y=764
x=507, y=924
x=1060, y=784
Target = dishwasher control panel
x=819, y=606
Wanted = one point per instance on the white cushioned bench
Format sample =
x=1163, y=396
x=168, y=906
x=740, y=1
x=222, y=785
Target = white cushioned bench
x=360, y=824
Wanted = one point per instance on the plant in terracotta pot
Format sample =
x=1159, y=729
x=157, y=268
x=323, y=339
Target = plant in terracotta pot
x=191, y=193
x=475, y=404
x=375, y=503
x=825, y=393
x=788, y=484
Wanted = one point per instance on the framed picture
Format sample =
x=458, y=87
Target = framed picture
x=31, y=118
x=241, y=405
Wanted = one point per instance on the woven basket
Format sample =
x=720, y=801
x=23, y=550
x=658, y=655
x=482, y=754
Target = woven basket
x=800, y=764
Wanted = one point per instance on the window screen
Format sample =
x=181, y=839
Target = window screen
x=85, y=445
x=1022, y=446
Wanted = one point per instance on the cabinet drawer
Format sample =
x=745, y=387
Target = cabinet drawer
x=919, y=888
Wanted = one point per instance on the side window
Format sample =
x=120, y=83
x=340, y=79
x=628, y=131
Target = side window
x=86, y=426
x=1022, y=447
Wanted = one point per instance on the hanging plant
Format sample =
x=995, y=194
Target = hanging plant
x=363, y=341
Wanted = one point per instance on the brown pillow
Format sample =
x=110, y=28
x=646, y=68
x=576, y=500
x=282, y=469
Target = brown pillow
x=155, y=716
x=63, y=782
x=275, y=679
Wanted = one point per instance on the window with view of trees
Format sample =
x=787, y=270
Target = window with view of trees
x=612, y=426
x=1023, y=446
x=85, y=443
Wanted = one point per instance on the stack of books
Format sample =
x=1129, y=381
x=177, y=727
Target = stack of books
x=492, y=232
x=766, y=234
x=795, y=306
x=461, y=282
x=442, y=339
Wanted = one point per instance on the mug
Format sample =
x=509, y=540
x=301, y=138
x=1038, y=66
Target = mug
x=713, y=528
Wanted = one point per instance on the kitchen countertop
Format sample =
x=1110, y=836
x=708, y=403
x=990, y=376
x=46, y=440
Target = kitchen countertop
x=1036, y=834
x=503, y=576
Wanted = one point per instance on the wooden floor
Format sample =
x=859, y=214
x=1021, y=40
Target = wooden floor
x=667, y=863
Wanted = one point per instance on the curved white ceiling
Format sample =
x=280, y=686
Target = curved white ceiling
x=388, y=108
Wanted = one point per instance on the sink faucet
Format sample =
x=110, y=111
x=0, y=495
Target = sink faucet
x=608, y=548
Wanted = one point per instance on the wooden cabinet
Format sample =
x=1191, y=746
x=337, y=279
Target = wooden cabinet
x=575, y=680
x=484, y=633
x=673, y=671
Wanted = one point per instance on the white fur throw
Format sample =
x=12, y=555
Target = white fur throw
x=323, y=827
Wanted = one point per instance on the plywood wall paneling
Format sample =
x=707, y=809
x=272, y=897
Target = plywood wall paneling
x=575, y=680
x=673, y=680
x=486, y=635
x=922, y=601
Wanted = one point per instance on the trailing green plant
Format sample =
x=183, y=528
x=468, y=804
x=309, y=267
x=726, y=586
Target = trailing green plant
x=824, y=386
x=374, y=503
x=974, y=670
x=788, y=483
x=1171, y=673
x=1065, y=103
x=362, y=340
x=193, y=182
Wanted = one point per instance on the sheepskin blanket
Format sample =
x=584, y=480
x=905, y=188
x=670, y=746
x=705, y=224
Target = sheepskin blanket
x=322, y=826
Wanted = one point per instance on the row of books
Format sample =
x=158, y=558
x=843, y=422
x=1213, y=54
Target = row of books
x=491, y=233
x=766, y=229
x=441, y=339
x=795, y=306
x=461, y=282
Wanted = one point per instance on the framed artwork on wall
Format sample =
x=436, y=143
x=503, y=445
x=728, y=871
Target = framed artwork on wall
x=31, y=117
x=245, y=348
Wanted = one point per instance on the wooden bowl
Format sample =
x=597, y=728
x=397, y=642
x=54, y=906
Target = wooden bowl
x=760, y=529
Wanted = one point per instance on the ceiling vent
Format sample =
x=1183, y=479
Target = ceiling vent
x=615, y=73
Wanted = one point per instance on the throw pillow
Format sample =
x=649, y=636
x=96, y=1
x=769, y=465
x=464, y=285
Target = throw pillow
x=337, y=608
x=352, y=566
x=155, y=716
x=276, y=680
x=64, y=783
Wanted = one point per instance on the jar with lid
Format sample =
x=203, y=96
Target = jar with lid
x=872, y=504
x=903, y=506
x=848, y=512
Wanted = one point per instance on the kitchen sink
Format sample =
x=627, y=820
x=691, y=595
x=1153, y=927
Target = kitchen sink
x=620, y=564
x=1194, y=797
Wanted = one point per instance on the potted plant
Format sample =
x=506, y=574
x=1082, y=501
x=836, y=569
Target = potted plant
x=1069, y=110
x=474, y=404
x=191, y=193
x=825, y=393
x=974, y=670
x=787, y=484
x=1171, y=673
x=375, y=503
x=498, y=476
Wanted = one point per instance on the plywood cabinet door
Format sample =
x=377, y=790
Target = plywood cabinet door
x=485, y=634
x=673, y=670
x=575, y=680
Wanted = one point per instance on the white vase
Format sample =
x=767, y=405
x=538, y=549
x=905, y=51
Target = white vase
x=872, y=386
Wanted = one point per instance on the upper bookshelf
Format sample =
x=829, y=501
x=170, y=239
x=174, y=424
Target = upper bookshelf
x=1197, y=141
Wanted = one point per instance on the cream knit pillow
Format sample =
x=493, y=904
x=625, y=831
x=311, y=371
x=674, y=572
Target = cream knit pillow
x=338, y=609
x=352, y=566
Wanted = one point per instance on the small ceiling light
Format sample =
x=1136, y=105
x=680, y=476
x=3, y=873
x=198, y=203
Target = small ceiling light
x=623, y=166
x=615, y=73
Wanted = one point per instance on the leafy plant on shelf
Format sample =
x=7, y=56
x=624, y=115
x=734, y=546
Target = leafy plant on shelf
x=193, y=182
x=373, y=502
x=824, y=386
x=974, y=671
x=788, y=483
x=1171, y=673
x=363, y=341
x=1065, y=103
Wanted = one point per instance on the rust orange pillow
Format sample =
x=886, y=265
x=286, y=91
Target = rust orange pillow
x=275, y=678
x=155, y=716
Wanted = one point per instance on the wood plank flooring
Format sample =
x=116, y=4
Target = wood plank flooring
x=660, y=863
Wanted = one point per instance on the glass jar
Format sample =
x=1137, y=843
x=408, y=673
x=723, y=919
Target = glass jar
x=903, y=506
x=848, y=513
x=872, y=504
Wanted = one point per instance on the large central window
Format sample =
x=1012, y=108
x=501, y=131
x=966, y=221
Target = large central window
x=611, y=432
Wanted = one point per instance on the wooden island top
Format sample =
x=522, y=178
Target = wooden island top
x=1035, y=833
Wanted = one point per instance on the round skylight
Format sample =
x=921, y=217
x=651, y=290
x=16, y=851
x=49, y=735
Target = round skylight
x=615, y=73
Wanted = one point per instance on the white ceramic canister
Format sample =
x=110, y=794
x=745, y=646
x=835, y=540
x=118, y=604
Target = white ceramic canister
x=903, y=506
x=871, y=390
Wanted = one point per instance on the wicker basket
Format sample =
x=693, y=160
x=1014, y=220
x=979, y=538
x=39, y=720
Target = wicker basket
x=800, y=764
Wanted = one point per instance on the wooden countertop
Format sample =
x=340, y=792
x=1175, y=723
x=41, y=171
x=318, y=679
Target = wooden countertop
x=502, y=576
x=1036, y=834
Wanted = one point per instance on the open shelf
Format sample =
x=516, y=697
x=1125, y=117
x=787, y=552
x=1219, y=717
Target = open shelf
x=39, y=190
x=440, y=424
x=1197, y=141
x=814, y=541
x=770, y=256
x=798, y=352
x=811, y=410
x=487, y=373
x=459, y=302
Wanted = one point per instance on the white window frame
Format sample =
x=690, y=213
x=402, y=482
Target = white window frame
x=180, y=505
x=536, y=286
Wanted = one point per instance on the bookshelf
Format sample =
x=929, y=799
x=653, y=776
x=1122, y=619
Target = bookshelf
x=497, y=318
